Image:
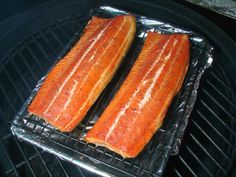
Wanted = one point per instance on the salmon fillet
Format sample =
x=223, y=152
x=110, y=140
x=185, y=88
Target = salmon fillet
x=139, y=107
x=76, y=81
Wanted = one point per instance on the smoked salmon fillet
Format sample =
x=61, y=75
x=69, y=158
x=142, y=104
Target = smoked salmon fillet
x=76, y=81
x=139, y=107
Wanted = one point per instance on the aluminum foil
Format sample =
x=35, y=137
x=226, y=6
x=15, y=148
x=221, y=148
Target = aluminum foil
x=167, y=140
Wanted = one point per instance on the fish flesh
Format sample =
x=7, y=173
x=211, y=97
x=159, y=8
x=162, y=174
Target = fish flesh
x=137, y=110
x=76, y=81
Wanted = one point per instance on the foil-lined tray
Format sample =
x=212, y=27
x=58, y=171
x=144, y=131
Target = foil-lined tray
x=166, y=141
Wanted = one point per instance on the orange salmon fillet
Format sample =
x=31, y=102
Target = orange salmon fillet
x=76, y=81
x=139, y=107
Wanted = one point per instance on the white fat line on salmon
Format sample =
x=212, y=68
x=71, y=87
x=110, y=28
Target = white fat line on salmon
x=104, y=72
x=92, y=57
x=71, y=93
x=81, y=83
x=169, y=97
x=148, y=93
x=77, y=65
x=168, y=73
x=127, y=105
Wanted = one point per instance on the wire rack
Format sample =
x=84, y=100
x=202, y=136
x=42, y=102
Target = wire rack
x=208, y=147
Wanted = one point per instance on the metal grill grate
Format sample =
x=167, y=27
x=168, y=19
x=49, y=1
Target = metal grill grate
x=208, y=147
x=69, y=146
x=209, y=144
x=22, y=68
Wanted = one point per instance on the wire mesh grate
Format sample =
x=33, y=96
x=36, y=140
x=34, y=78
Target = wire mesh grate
x=210, y=140
x=145, y=163
x=23, y=67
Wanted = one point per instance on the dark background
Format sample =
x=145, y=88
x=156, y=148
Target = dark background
x=13, y=7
